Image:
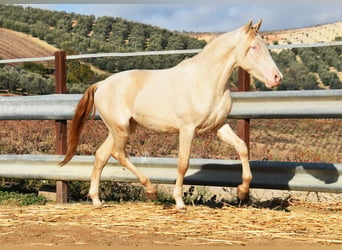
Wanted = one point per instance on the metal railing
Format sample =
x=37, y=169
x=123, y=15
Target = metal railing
x=246, y=105
x=318, y=177
x=282, y=175
x=162, y=52
x=273, y=175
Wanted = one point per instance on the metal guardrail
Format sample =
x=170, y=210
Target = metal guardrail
x=280, y=175
x=268, y=104
x=318, y=177
x=287, y=104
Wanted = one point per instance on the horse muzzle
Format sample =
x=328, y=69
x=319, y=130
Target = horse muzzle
x=277, y=77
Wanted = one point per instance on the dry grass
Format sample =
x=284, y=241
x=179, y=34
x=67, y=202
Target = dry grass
x=152, y=224
x=15, y=44
x=306, y=140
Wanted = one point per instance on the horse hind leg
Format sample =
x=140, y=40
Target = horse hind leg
x=226, y=134
x=101, y=157
x=119, y=153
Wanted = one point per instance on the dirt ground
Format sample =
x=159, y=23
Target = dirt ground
x=153, y=224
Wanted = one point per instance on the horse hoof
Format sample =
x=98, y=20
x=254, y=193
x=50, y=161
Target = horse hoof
x=181, y=209
x=151, y=193
x=98, y=204
x=242, y=195
x=151, y=196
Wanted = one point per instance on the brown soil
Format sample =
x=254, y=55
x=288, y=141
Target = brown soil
x=148, y=224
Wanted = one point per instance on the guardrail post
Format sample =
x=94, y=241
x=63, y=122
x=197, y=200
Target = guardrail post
x=61, y=125
x=243, y=126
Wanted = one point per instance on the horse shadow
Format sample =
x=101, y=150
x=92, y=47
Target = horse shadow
x=320, y=177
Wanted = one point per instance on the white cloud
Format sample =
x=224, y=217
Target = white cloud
x=215, y=16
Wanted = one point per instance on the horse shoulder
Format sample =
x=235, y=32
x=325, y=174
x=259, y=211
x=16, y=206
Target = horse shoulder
x=217, y=114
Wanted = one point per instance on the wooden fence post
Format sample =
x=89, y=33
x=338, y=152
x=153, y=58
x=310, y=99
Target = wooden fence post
x=243, y=126
x=61, y=125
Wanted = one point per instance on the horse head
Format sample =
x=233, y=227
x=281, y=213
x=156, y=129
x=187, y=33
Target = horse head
x=253, y=56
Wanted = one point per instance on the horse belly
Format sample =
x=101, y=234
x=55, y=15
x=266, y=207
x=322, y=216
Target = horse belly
x=154, y=110
x=156, y=125
x=156, y=120
x=211, y=123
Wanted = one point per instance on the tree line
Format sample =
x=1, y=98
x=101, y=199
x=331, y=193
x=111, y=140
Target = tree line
x=80, y=34
x=310, y=68
x=36, y=79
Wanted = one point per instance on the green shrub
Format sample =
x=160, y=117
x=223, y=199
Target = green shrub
x=19, y=199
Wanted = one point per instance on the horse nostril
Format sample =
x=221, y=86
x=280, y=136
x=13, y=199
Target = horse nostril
x=277, y=77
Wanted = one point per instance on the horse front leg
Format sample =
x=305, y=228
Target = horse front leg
x=226, y=134
x=186, y=136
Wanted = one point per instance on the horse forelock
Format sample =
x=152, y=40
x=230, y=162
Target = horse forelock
x=255, y=31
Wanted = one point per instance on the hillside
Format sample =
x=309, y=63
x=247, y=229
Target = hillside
x=81, y=34
x=15, y=44
x=319, y=33
x=30, y=32
x=314, y=34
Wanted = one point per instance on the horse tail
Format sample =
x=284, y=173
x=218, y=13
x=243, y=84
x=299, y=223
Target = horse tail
x=84, y=108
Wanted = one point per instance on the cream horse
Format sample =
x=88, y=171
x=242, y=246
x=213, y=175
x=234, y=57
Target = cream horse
x=192, y=97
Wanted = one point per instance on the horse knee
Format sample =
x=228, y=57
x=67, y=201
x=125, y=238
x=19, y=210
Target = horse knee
x=226, y=134
x=247, y=177
x=120, y=156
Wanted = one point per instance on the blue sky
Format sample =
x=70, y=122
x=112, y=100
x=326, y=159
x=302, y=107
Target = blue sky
x=217, y=15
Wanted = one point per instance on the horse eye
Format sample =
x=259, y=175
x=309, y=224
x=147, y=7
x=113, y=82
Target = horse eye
x=254, y=47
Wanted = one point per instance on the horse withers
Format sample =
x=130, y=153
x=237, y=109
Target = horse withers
x=189, y=98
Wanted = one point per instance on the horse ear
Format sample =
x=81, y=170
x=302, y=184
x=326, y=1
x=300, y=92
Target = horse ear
x=247, y=26
x=257, y=25
x=243, y=46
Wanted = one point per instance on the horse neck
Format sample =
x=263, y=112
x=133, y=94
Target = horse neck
x=217, y=62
